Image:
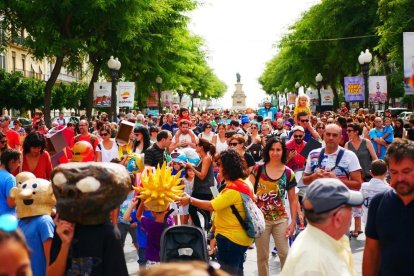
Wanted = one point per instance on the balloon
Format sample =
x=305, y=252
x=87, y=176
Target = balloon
x=8, y=223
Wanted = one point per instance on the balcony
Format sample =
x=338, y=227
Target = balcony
x=30, y=74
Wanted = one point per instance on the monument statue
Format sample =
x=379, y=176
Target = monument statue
x=238, y=77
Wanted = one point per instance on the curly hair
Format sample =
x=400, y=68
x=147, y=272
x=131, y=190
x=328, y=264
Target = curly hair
x=233, y=165
x=400, y=149
x=34, y=139
x=268, y=146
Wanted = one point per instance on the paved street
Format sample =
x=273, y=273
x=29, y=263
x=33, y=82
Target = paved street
x=250, y=267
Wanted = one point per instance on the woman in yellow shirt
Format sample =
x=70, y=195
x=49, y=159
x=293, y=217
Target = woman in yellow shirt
x=232, y=239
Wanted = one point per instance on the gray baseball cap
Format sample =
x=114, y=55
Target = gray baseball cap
x=326, y=194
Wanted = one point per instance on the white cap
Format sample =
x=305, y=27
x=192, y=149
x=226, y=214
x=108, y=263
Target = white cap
x=298, y=128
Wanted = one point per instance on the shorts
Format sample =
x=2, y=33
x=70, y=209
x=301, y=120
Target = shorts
x=357, y=212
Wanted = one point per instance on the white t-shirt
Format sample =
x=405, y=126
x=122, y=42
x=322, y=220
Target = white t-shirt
x=369, y=190
x=349, y=162
x=209, y=137
x=182, y=138
x=108, y=155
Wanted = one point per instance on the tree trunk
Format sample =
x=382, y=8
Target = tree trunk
x=336, y=98
x=96, y=69
x=48, y=88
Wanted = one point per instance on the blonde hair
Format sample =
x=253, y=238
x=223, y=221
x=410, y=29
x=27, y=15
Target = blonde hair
x=302, y=96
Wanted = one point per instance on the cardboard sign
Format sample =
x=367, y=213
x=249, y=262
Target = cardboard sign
x=124, y=130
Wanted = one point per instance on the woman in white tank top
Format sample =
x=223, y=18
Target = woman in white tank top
x=219, y=140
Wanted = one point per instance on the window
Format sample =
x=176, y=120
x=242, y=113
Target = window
x=24, y=65
x=13, y=61
x=2, y=60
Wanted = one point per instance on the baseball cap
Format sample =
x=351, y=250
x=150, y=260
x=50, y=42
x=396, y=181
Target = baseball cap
x=244, y=119
x=326, y=194
x=287, y=123
x=178, y=156
x=298, y=128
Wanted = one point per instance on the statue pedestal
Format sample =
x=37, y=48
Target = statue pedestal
x=239, y=98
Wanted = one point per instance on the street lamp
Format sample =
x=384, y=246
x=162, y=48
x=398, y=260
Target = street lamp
x=114, y=65
x=319, y=80
x=364, y=59
x=297, y=85
x=180, y=92
x=158, y=81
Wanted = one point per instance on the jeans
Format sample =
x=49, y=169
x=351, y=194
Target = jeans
x=230, y=255
x=193, y=210
x=278, y=230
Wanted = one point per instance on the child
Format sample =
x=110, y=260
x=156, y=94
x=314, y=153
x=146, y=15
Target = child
x=141, y=236
x=302, y=104
x=388, y=135
x=188, y=182
x=183, y=114
x=376, y=185
x=153, y=229
x=177, y=166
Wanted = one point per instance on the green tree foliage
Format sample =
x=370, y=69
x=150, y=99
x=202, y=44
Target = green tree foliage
x=315, y=44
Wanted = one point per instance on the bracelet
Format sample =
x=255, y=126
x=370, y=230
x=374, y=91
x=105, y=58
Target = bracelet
x=190, y=201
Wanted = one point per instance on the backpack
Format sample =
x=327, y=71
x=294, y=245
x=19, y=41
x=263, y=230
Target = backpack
x=338, y=159
x=254, y=224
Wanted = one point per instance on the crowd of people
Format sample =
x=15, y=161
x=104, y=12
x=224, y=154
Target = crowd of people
x=356, y=166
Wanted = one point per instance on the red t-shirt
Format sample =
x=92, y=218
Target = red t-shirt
x=298, y=161
x=13, y=139
x=43, y=168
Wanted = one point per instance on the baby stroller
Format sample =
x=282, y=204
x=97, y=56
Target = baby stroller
x=182, y=243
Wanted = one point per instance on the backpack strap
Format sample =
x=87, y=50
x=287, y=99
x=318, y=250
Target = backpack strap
x=256, y=181
x=239, y=218
x=320, y=157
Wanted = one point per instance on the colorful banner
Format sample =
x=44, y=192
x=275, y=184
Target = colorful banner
x=377, y=89
x=126, y=94
x=152, y=99
x=282, y=101
x=354, y=89
x=291, y=98
x=327, y=97
x=102, y=94
x=166, y=98
x=408, y=40
x=314, y=100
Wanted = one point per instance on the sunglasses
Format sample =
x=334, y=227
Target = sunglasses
x=253, y=127
x=349, y=130
x=233, y=144
x=321, y=128
x=3, y=142
x=104, y=134
x=304, y=121
x=298, y=136
x=208, y=126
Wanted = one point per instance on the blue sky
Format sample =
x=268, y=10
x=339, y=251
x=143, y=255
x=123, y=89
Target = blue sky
x=240, y=36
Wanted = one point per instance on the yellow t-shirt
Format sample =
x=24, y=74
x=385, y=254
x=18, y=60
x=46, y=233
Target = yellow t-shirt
x=225, y=221
x=301, y=109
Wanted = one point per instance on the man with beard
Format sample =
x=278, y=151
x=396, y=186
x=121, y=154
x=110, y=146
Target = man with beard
x=184, y=137
x=390, y=224
x=280, y=130
x=302, y=119
x=295, y=161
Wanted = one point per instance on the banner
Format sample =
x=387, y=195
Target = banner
x=166, y=98
x=313, y=98
x=102, y=94
x=354, y=89
x=291, y=98
x=126, y=94
x=196, y=102
x=152, y=99
x=185, y=101
x=377, y=89
x=408, y=40
x=282, y=101
x=327, y=97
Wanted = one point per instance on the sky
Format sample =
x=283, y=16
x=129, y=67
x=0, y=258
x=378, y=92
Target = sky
x=240, y=36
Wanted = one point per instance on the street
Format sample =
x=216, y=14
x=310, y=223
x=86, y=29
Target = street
x=250, y=267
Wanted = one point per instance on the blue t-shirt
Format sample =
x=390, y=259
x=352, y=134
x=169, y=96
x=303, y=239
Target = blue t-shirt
x=390, y=131
x=37, y=230
x=375, y=133
x=141, y=234
x=124, y=207
x=7, y=182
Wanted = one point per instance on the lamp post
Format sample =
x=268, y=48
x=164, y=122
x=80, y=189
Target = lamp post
x=364, y=59
x=180, y=92
x=192, y=100
x=297, y=85
x=158, y=81
x=319, y=80
x=114, y=65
